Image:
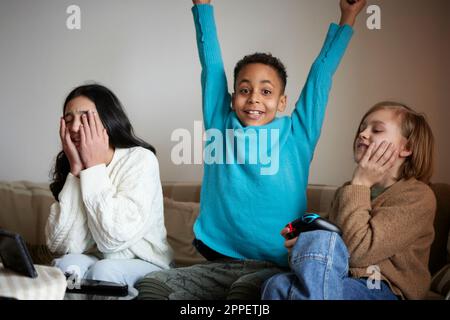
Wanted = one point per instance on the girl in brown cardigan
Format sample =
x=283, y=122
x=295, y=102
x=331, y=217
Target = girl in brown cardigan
x=386, y=215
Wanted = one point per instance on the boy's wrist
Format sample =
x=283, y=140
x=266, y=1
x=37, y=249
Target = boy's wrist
x=200, y=2
x=348, y=19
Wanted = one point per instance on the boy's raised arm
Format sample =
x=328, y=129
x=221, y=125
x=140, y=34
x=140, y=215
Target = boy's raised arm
x=215, y=96
x=309, y=112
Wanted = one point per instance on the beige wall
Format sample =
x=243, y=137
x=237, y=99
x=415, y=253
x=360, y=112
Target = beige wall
x=404, y=61
x=444, y=150
x=145, y=52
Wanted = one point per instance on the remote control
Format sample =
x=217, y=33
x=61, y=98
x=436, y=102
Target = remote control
x=310, y=222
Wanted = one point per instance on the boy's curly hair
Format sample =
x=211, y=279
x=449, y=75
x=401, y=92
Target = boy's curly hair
x=263, y=58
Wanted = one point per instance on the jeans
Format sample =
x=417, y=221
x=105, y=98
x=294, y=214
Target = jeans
x=120, y=271
x=319, y=264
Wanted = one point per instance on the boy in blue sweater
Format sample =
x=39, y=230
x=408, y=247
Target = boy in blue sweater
x=255, y=178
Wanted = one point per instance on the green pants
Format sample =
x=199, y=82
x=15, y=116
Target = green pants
x=218, y=280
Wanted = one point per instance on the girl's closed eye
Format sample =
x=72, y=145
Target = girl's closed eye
x=68, y=119
x=377, y=129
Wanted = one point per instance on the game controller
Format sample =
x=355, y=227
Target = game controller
x=310, y=222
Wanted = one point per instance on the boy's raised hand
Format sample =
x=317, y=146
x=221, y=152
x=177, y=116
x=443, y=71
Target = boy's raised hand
x=201, y=1
x=350, y=10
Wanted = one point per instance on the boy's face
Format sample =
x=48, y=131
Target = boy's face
x=258, y=95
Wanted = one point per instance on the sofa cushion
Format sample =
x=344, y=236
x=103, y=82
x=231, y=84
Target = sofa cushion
x=441, y=282
x=182, y=191
x=24, y=209
x=320, y=198
x=439, y=255
x=179, y=218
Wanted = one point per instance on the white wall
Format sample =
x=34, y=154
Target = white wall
x=145, y=52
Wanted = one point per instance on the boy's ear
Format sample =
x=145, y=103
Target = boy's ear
x=282, y=103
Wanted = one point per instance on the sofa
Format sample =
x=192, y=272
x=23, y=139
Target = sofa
x=24, y=207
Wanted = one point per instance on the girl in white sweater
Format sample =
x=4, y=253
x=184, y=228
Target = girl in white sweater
x=108, y=221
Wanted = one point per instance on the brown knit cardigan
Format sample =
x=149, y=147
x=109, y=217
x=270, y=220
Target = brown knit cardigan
x=394, y=232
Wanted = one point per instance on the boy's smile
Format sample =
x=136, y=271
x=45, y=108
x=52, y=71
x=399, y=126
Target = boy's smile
x=258, y=95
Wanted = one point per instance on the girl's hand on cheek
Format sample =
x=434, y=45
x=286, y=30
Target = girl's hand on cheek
x=375, y=164
x=94, y=145
x=70, y=149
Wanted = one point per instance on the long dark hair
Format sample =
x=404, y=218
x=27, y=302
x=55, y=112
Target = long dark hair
x=115, y=121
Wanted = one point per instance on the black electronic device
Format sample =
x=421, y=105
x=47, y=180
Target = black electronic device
x=14, y=254
x=310, y=222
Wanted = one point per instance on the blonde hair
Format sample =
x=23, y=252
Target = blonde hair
x=420, y=140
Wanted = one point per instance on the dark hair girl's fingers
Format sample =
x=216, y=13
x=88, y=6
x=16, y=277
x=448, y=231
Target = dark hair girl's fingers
x=91, y=122
x=82, y=135
x=95, y=130
x=98, y=124
x=68, y=139
x=66, y=135
x=86, y=128
x=68, y=144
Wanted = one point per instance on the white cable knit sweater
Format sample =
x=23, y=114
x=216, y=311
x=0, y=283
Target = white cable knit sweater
x=117, y=208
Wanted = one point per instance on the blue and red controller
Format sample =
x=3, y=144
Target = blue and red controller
x=310, y=222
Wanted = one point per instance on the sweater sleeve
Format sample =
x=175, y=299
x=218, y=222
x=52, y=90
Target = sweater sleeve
x=66, y=229
x=373, y=235
x=120, y=214
x=309, y=111
x=215, y=97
